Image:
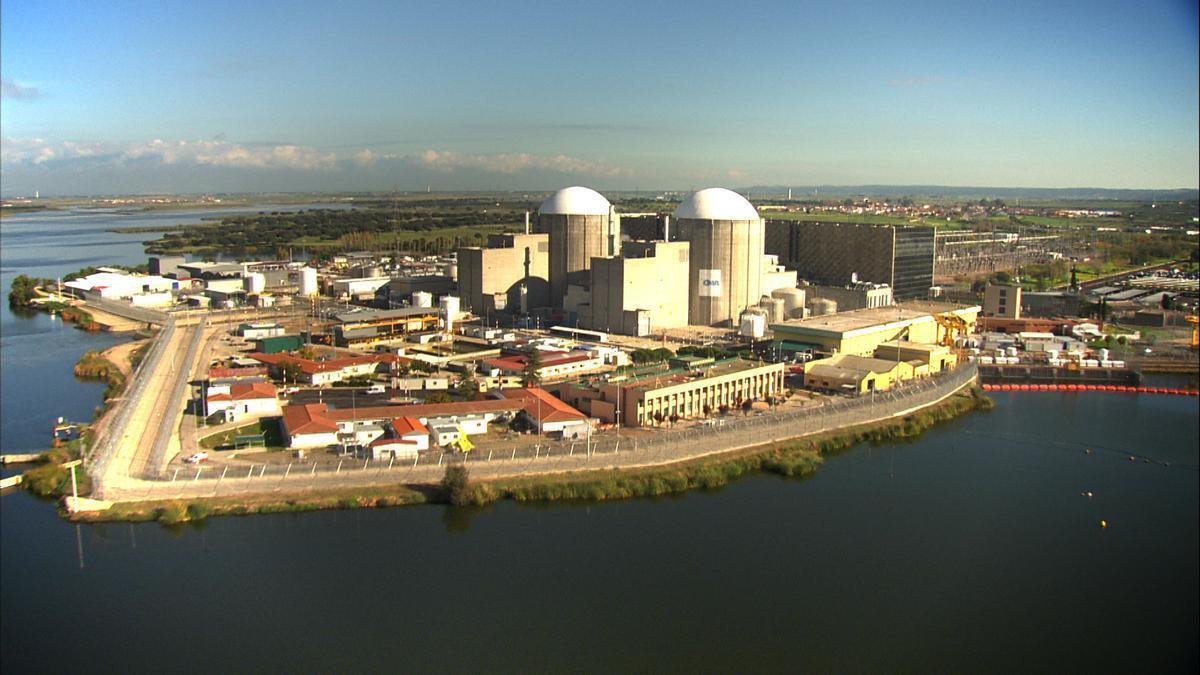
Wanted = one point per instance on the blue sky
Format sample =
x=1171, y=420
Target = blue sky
x=248, y=96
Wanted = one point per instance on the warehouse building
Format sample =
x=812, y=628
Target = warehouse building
x=642, y=291
x=901, y=256
x=364, y=329
x=511, y=274
x=849, y=373
x=683, y=392
x=861, y=332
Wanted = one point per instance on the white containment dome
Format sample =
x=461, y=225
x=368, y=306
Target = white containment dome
x=582, y=225
x=716, y=204
x=726, y=262
x=575, y=200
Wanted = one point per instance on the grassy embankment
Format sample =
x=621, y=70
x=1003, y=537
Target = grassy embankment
x=798, y=458
x=93, y=366
x=267, y=428
x=50, y=480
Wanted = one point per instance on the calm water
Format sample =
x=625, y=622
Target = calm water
x=968, y=550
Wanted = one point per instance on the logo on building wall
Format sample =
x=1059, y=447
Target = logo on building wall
x=710, y=283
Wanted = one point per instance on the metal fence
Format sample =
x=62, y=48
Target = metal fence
x=658, y=447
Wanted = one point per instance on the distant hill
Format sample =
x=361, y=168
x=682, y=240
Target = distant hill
x=960, y=192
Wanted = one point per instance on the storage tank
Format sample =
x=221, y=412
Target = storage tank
x=774, y=308
x=422, y=299
x=308, y=282
x=753, y=323
x=254, y=282
x=582, y=225
x=449, y=307
x=793, y=301
x=823, y=306
x=726, y=260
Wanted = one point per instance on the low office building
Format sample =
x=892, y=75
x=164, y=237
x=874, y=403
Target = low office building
x=549, y=414
x=861, y=331
x=658, y=394
x=239, y=399
x=555, y=365
x=849, y=373
x=328, y=371
x=314, y=425
x=256, y=331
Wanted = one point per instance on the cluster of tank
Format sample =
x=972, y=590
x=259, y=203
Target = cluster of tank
x=726, y=241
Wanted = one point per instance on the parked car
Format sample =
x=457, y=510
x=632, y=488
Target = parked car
x=197, y=458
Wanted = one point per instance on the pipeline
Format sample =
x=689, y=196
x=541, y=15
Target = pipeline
x=1091, y=387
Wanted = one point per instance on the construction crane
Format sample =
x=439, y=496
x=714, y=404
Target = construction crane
x=952, y=325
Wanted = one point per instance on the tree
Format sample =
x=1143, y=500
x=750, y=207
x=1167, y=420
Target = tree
x=437, y=397
x=290, y=371
x=1167, y=302
x=530, y=376
x=1074, y=279
x=456, y=483
x=467, y=387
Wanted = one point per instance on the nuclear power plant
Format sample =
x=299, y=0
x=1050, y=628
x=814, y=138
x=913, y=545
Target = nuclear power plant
x=704, y=265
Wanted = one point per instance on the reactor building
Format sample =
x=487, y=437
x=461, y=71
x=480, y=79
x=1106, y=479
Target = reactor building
x=581, y=225
x=726, y=237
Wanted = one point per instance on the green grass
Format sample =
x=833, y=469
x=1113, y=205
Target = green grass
x=268, y=427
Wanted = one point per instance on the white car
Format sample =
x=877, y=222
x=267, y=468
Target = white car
x=197, y=458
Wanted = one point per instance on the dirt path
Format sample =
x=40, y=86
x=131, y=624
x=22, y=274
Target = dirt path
x=119, y=355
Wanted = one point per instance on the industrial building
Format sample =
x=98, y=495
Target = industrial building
x=893, y=362
x=641, y=291
x=854, y=295
x=581, y=225
x=363, y=329
x=862, y=331
x=1002, y=301
x=684, y=390
x=726, y=260
x=900, y=256
x=511, y=273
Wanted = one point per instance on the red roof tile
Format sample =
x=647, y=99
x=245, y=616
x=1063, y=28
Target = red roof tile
x=311, y=418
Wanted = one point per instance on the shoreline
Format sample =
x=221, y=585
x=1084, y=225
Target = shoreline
x=797, y=457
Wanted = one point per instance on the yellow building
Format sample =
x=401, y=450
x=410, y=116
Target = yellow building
x=861, y=332
x=859, y=374
x=933, y=358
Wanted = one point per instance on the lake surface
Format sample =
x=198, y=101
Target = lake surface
x=971, y=549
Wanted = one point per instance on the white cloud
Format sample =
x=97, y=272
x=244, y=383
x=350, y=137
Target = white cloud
x=218, y=153
x=13, y=89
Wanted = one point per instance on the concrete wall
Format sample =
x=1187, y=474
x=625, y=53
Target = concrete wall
x=734, y=250
x=499, y=269
x=653, y=277
x=574, y=241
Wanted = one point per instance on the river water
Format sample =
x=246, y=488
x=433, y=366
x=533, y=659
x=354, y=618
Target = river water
x=973, y=548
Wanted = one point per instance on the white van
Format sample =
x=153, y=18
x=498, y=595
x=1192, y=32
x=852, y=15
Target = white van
x=376, y=389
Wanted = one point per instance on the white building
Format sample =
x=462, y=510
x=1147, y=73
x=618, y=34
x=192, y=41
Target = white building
x=241, y=399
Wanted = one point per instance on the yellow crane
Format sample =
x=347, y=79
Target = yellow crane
x=952, y=325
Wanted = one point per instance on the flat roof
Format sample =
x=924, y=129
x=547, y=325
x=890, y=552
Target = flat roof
x=383, y=314
x=858, y=319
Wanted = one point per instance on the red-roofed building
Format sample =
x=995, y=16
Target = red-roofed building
x=403, y=438
x=239, y=399
x=329, y=370
x=316, y=425
x=308, y=426
x=548, y=413
x=554, y=364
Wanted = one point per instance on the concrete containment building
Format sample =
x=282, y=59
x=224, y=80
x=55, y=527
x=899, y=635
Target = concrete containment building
x=726, y=237
x=490, y=279
x=581, y=225
x=643, y=290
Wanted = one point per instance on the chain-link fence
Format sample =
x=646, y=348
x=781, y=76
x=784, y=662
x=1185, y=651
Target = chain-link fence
x=609, y=450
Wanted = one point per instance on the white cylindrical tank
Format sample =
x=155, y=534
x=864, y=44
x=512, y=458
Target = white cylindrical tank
x=725, y=267
x=254, y=282
x=308, y=282
x=774, y=308
x=823, y=306
x=753, y=323
x=793, y=301
x=422, y=299
x=449, y=306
